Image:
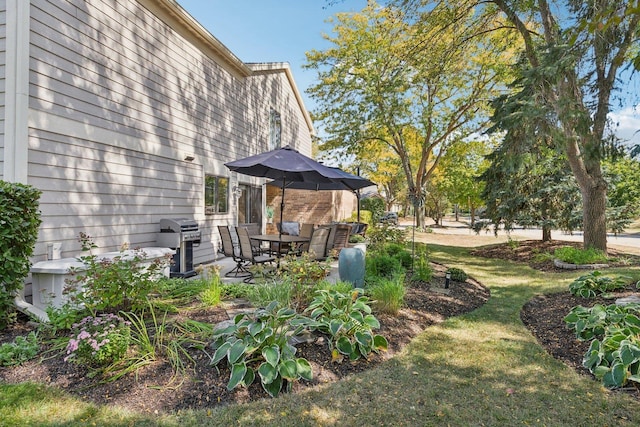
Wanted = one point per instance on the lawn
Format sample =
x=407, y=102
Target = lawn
x=482, y=368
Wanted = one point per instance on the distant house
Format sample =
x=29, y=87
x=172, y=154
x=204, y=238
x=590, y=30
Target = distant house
x=123, y=112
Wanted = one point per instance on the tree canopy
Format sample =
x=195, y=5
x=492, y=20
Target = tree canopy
x=412, y=80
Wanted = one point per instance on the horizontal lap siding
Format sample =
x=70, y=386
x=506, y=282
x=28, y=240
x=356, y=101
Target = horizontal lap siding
x=137, y=78
x=112, y=194
x=112, y=67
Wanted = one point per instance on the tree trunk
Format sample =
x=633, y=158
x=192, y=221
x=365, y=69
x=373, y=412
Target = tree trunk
x=594, y=201
x=546, y=233
x=419, y=213
x=472, y=214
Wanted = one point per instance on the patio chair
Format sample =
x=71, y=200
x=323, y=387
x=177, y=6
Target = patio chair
x=247, y=253
x=306, y=230
x=341, y=236
x=230, y=250
x=318, y=243
x=253, y=228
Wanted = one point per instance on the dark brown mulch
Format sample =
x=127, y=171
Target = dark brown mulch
x=154, y=390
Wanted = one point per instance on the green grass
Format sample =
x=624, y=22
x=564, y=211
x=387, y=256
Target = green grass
x=482, y=368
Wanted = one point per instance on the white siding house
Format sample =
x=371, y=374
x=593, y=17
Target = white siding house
x=117, y=110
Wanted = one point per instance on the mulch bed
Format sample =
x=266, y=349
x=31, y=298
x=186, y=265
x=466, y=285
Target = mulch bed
x=155, y=390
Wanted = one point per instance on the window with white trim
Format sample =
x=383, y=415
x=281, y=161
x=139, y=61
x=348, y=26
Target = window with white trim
x=216, y=195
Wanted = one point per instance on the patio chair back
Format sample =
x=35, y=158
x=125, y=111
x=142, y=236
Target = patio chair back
x=252, y=227
x=230, y=250
x=246, y=249
x=306, y=230
x=318, y=243
x=341, y=238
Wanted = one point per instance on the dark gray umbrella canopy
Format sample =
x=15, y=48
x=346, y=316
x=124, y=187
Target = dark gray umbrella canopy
x=346, y=182
x=294, y=170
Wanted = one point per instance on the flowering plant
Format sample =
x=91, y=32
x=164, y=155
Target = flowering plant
x=99, y=341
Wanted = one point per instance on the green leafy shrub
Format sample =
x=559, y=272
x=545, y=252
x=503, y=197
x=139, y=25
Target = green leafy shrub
x=20, y=220
x=63, y=318
x=594, y=284
x=303, y=269
x=20, y=350
x=388, y=294
x=356, y=238
x=401, y=253
x=422, y=271
x=257, y=344
x=347, y=320
x=122, y=283
x=543, y=257
x=457, y=274
x=379, y=265
x=374, y=205
x=379, y=235
x=365, y=217
x=578, y=256
x=98, y=341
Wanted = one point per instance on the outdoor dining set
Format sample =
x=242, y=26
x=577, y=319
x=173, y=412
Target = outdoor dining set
x=247, y=246
x=288, y=169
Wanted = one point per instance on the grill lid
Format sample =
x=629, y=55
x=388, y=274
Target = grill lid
x=177, y=225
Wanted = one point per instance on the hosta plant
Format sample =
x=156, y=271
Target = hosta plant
x=256, y=344
x=589, y=323
x=348, y=321
x=595, y=283
x=616, y=359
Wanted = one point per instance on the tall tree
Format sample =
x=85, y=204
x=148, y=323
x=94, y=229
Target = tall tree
x=573, y=65
x=390, y=72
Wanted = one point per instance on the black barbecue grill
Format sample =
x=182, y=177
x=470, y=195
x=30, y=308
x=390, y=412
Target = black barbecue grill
x=180, y=234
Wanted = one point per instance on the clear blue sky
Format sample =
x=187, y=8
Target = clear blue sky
x=283, y=30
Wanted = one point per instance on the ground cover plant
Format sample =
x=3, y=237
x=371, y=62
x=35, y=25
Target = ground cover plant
x=580, y=256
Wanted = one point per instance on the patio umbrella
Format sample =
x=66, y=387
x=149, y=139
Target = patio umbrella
x=346, y=182
x=294, y=170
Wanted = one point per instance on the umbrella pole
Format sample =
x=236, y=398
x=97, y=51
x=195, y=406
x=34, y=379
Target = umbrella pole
x=284, y=182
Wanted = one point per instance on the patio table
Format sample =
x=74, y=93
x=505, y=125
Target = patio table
x=279, y=238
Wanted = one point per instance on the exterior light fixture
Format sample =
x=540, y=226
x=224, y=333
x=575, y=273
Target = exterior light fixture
x=189, y=158
x=447, y=279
